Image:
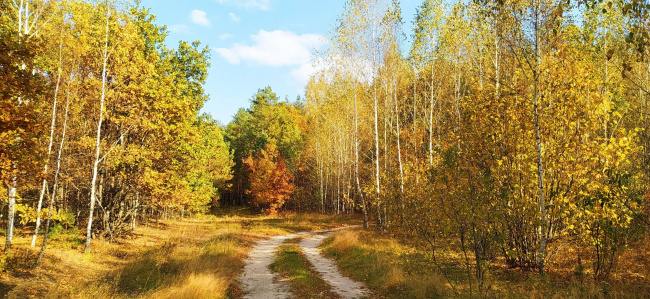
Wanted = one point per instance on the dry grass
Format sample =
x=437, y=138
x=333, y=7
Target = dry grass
x=195, y=286
x=395, y=276
x=423, y=286
x=390, y=269
x=394, y=268
x=345, y=240
x=191, y=258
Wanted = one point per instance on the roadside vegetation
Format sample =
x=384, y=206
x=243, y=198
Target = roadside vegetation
x=198, y=257
x=394, y=267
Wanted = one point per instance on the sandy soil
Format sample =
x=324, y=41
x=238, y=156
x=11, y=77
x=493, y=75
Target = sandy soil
x=341, y=285
x=257, y=281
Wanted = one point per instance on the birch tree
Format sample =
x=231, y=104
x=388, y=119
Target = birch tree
x=93, y=183
x=23, y=21
x=51, y=139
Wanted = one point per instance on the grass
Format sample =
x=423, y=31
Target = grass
x=388, y=268
x=190, y=258
x=202, y=258
x=395, y=268
x=291, y=263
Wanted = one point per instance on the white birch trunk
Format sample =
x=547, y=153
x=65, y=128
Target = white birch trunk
x=98, y=140
x=11, y=210
x=376, y=129
x=496, y=60
x=415, y=139
x=11, y=188
x=56, y=181
x=49, y=148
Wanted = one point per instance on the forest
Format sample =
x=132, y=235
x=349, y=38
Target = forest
x=495, y=133
x=100, y=121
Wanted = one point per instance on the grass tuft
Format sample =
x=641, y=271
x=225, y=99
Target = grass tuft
x=395, y=277
x=195, y=286
x=345, y=240
x=294, y=266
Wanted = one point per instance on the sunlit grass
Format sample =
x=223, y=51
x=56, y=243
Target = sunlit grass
x=291, y=263
x=383, y=264
x=199, y=257
x=195, y=286
x=394, y=268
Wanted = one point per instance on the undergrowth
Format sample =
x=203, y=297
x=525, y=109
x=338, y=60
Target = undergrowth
x=388, y=268
x=394, y=268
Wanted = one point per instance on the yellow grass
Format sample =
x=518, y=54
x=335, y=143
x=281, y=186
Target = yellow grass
x=190, y=258
x=195, y=286
x=402, y=268
x=389, y=268
x=345, y=240
x=394, y=276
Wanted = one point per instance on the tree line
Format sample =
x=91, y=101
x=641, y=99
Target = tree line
x=100, y=122
x=500, y=129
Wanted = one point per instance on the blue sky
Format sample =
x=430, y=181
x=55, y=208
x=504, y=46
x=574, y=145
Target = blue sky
x=254, y=43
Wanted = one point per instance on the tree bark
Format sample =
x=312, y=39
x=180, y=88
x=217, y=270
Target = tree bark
x=399, y=152
x=56, y=181
x=135, y=210
x=356, y=161
x=540, y=165
x=49, y=147
x=98, y=140
x=11, y=210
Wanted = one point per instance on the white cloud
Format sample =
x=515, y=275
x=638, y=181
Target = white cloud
x=274, y=48
x=234, y=17
x=199, y=17
x=179, y=28
x=225, y=36
x=257, y=4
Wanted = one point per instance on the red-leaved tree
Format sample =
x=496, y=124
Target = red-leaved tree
x=271, y=183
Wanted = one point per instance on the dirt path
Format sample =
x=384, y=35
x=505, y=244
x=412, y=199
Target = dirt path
x=257, y=281
x=341, y=285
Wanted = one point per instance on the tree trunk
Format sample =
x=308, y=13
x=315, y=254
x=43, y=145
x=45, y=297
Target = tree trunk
x=11, y=210
x=56, y=181
x=399, y=152
x=415, y=138
x=356, y=161
x=135, y=210
x=540, y=165
x=49, y=147
x=431, y=104
x=97, y=144
x=11, y=188
x=497, y=79
x=375, y=108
